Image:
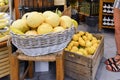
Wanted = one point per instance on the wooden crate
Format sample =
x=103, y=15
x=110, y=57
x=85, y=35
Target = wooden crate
x=4, y=59
x=81, y=67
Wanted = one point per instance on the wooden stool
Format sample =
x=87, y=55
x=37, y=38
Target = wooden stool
x=16, y=56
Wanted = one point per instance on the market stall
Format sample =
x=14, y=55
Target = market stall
x=44, y=33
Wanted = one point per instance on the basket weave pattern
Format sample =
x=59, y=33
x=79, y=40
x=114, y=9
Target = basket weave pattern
x=45, y=44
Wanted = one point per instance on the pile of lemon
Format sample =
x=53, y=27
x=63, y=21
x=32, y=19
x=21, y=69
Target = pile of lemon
x=83, y=43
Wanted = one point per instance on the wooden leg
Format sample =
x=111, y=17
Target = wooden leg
x=60, y=67
x=14, y=67
x=30, y=71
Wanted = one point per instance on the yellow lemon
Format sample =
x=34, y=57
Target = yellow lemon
x=74, y=49
x=81, y=33
x=75, y=37
x=75, y=43
x=85, y=38
x=75, y=23
x=78, y=52
x=81, y=42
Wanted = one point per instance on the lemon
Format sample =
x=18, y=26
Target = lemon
x=91, y=50
x=75, y=43
x=81, y=33
x=85, y=38
x=85, y=53
x=98, y=41
x=58, y=29
x=78, y=52
x=66, y=49
x=75, y=37
x=31, y=32
x=75, y=23
x=16, y=31
x=74, y=49
x=81, y=42
x=88, y=43
x=44, y=28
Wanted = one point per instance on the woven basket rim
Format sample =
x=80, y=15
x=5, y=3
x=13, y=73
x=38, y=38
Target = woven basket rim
x=41, y=34
x=44, y=40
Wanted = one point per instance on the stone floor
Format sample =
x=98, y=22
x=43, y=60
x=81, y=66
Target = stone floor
x=102, y=73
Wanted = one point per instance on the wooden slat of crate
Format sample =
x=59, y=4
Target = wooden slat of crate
x=97, y=52
x=4, y=67
x=5, y=63
x=92, y=63
x=4, y=56
x=76, y=76
x=3, y=48
x=4, y=74
x=4, y=59
x=5, y=70
x=94, y=69
x=70, y=66
x=3, y=44
x=4, y=52
x=77, y=59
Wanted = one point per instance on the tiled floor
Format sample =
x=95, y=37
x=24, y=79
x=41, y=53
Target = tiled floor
x=102, y=73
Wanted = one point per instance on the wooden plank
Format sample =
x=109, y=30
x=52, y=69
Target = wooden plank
x=14, y=67
x=95, y=67
x=30, y=71
x=3, y=71
x=3, y=44
x=4, y=56
x=108, y=1
x=73, y=57
x=4, y=60
x=4, y=67
x=78, y=68
x=60, y=66
x=97, y=52
x=3, y=48
x=76, y=76
x=4, y=52
x=16, y=5
x=4, y=74
x=4, y=63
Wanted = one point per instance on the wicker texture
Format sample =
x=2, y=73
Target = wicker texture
x=42, y=44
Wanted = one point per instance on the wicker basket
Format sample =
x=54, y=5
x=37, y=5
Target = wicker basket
x=4, y=8
x=42, y=44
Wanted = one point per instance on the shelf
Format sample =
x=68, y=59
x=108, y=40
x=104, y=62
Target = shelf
x=107, y=1
x=101, y=14
x=108, y=14
x=111, y=27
